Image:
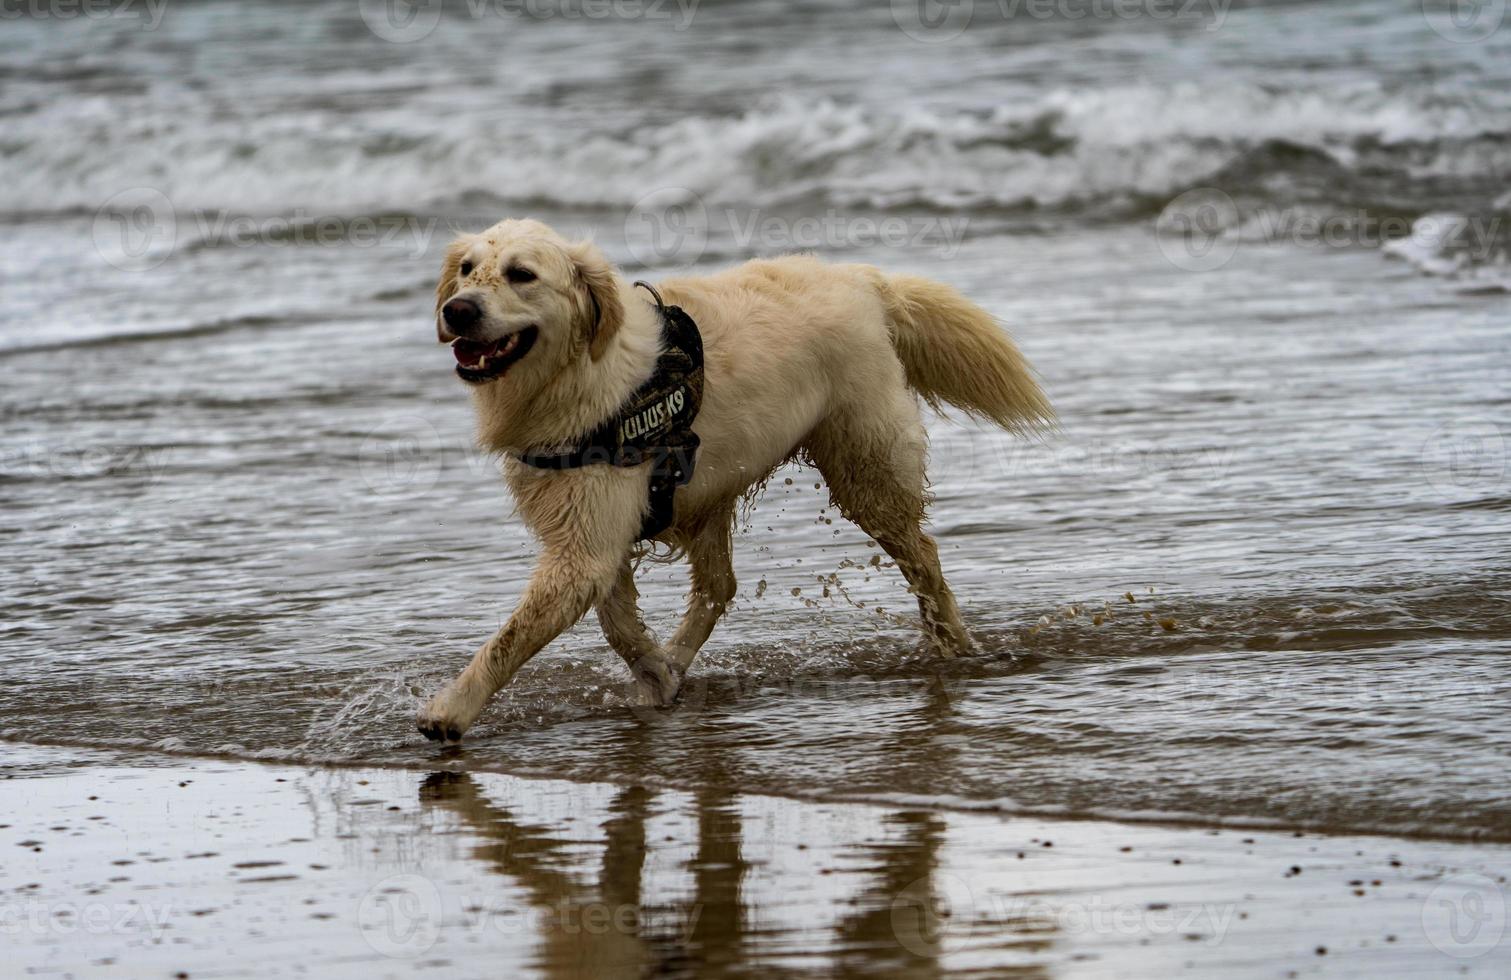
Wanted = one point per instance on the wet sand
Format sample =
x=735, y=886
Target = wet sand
x=145, y=865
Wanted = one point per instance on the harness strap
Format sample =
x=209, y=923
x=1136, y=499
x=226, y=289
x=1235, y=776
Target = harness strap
x=653, y=425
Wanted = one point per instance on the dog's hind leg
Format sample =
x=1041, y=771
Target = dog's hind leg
x=874, y=465
x=713, y=585
x=624, y=628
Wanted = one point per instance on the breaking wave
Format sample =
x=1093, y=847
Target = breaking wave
x=1106, y=151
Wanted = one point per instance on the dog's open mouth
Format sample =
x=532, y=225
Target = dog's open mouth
x=478, y=362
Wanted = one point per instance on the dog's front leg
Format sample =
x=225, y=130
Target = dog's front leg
x=559, y=593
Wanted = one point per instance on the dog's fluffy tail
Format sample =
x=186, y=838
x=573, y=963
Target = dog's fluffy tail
x=954, y=351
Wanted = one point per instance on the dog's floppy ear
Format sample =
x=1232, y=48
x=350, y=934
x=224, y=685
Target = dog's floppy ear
x=445, y=287
x=604, y=311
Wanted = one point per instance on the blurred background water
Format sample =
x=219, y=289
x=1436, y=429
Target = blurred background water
x=1258, y=252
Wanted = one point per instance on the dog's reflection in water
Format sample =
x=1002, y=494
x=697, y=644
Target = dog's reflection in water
x=601, y=929
x=612, y=924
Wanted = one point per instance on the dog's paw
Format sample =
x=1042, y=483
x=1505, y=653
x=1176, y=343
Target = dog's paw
x=656, y=683
x=447, y=716
x=437, y=730
x=963, y=646
x=949, y=642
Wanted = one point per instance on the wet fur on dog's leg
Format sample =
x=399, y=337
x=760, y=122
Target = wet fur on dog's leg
x=655, y=680
x=713, y=585
x=874, y=462
x=562, y=589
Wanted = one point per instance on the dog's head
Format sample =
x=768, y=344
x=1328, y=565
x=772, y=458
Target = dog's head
x=520, y=300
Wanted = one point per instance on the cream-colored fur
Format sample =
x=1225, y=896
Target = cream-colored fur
x=803, y=359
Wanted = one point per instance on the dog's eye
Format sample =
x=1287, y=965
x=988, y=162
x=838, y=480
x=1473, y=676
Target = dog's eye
x=466, y=269
x=517, y=274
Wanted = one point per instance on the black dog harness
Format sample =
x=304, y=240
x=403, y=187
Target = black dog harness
x=655, y=423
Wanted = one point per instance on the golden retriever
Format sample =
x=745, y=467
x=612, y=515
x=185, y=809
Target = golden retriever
x=803, y=359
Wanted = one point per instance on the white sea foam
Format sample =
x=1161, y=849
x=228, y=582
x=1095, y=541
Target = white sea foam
x=1069, y=147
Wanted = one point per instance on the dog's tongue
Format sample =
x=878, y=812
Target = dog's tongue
x=470, y=351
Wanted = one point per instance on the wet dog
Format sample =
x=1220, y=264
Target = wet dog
x=803, y=360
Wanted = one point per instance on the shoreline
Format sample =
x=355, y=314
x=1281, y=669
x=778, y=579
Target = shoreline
x=150, y=864
x=1001, y=808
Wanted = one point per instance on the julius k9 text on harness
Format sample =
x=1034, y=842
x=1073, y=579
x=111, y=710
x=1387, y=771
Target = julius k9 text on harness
x=654, y=424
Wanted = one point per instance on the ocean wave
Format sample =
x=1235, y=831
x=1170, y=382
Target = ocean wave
x=1070, y=149
x=1474, y=250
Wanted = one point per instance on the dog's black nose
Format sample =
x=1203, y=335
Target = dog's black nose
x=461, y=315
